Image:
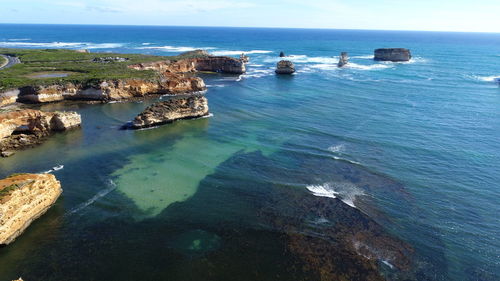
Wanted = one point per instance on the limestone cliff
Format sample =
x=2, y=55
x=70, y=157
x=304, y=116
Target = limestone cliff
x=169, y=83
x=168, y=111
x=28, y=127
x=24, y=198
x=220, y=64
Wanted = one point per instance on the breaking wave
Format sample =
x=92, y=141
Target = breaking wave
x=175, y=49
x=369, y=67
x=54, y=169
x=64, y=45
x=345, y=191
x=234, y=53
x=486, y=78
x=304, y=59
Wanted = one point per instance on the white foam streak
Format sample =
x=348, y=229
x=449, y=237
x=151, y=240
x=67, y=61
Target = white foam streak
x=66, y=45
x=100, y=194
x=345, y=191
x=175, y=49
x=56, y=168
x=368, y=67
x=492, y=78
x=234, y=53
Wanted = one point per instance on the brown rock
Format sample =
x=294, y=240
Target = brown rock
x=173, y=109
x=24, y=198
x=392, y=54
x=285, y=67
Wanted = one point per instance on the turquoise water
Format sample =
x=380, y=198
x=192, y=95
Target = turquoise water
x=412, y=146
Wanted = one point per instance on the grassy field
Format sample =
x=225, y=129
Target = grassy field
x=80, y=67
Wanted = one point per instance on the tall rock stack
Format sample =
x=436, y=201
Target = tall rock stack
x=344, y=59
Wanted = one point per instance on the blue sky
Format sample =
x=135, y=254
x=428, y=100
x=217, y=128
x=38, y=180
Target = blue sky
x=445, y=15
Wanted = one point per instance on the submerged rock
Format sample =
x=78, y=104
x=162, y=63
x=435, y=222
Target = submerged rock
x=344, y=59
x=24, y=198
x=168, y=111
x=285, y=67
x=392, y=54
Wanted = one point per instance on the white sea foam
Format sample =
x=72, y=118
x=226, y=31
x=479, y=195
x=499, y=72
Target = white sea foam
x=388, y=264
x=175, y=49
x=337, y=148
x=234, y=53
x=19, y=39
x=304, y=59
x=56, y=168
x=345, y=191
x=363, y=57
x=100, y=194
x=369, y=67
x=67, y=45
x=492, y=78
x=146, y=44
x=323, y=190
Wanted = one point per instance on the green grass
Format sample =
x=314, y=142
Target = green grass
x=83, y=69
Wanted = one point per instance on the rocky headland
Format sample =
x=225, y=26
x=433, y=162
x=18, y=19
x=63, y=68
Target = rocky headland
x=392, y=54
x=26, y=128
x=175, y=108
x=169, y=76
x=23, y=199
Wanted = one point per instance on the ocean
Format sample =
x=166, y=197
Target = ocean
x=398, y=162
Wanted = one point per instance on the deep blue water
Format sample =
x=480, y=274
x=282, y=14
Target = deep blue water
x=415, y=146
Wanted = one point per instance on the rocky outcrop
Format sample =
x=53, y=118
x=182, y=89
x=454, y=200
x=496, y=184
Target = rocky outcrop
x=244, y=58
x=344, y=59
x=219, y=64
x=282, y=54
x=392, y=54
x=285, y=67
x=168, y=83
x=26, y=128
x=24, y=198
x=168, y=111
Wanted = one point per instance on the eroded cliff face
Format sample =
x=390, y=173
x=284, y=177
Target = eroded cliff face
x=171, y=110
x=392, y=54
x=169, y=83
x=24, y=198
x=25, y=128
x=173, y=78
x=227, y=65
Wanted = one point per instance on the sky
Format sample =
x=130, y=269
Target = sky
x=432, y=15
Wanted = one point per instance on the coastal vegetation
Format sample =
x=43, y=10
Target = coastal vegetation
x=70, y=66
x=3, y=61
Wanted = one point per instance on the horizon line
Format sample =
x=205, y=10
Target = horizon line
x=256, y=27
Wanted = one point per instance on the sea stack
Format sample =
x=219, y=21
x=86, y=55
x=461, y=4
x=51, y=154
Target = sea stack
x=176, y=108
x=282, y=54
x=344, y=59
x=392, y=54
x=285, y=67
x=23, y=199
